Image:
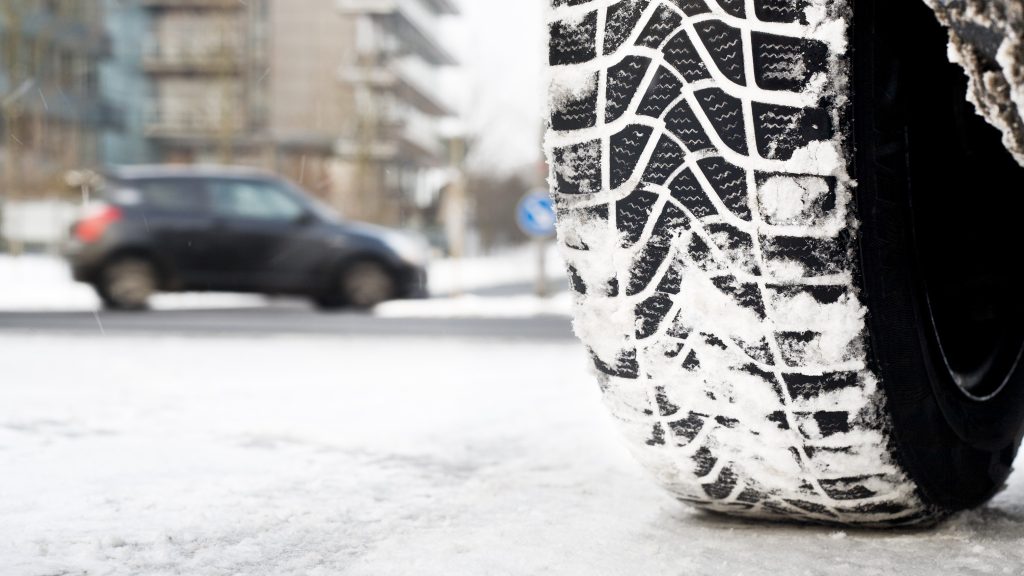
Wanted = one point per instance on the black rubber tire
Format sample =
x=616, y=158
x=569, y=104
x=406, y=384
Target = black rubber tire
x=361, y=285
x=127, y=283
x=930, y=234
x=757, y=231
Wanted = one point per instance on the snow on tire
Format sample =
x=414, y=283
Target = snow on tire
x=700, y=172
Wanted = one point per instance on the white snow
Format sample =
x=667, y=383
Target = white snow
x=472, y=306
x=44, y=283
x=335, y=456
x=508, y=266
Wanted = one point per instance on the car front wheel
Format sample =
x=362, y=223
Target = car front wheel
x=361, y=285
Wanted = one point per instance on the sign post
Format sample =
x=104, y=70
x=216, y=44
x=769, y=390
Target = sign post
x=535, y=215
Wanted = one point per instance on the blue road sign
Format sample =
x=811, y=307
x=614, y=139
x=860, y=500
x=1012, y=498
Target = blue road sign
x=535, y=214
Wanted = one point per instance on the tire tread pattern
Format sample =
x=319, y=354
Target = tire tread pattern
x=705, y=220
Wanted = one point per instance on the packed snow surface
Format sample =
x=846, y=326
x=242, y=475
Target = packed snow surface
x=361, y=456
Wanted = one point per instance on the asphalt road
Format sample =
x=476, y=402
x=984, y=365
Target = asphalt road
x=277, y=320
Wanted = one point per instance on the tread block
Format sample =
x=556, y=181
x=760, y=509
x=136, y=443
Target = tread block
x=626, y=148
x=782, y=130
x=665, y=161
x=807, y=387
x=725, y=44
x=622, y=84
x=662, y=91
x=576, y=111
x=686, y=429
x=723, y=486
x=625, y=365
x=632, y=213
x=661, y=25
x=791, y=11
x=645, y=267
x=573, y=42
x=683, y=124
x=784, y=63
x=577, y=168
x=650, y=314
x=736, y=246
x=729, y=183
x=686, y=189
x=726, y=115
x=816, y=256
x=620, y=20
x=681, y=54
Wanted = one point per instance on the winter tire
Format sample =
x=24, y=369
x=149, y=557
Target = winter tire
x=361, y=284
x=792, y=244
x=127, y=284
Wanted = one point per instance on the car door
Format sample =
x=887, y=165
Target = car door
x=263, y=236
x=177, y=219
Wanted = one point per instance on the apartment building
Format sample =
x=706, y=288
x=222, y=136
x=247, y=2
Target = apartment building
x=393, y=78
x=341, y=95
x=51, y=110
x=205, y=61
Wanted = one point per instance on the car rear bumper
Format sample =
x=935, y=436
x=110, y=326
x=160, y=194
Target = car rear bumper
x=84, y=260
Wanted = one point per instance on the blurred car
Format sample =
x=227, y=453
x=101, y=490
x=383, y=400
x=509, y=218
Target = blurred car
x=158, y=228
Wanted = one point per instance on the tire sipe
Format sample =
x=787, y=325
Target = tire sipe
x=792, y=244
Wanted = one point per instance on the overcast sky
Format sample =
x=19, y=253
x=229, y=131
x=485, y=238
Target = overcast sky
x=500, y=44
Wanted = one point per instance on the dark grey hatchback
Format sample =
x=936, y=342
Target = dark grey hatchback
x=158, y=228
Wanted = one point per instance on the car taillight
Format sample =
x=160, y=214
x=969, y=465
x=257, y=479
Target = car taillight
x=94, y=224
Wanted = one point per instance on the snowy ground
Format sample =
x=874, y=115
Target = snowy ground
x=316, y=456
x=44, y=283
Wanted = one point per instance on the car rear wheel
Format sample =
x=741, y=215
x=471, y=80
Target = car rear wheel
x=362, y=284
x=128, y=283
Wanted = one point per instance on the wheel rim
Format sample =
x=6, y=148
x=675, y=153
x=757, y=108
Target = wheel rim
x=966, y=203
x=367, y=284
x=130, y=284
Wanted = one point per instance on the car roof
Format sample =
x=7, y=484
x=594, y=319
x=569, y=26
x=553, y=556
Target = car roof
x=158, y=171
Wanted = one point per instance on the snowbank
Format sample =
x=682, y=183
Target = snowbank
x=44, y=283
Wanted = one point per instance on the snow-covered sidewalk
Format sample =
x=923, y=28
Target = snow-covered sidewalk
x=307, y=456
x=44, y=284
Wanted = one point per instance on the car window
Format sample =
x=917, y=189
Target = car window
x=253, y=200
x=172, y=195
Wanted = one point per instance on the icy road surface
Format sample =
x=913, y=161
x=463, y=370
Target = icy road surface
x=411, y=456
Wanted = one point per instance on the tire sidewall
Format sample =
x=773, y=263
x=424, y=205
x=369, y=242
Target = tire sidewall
x=959, y=450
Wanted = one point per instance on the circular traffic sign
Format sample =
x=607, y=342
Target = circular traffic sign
x=535, y=214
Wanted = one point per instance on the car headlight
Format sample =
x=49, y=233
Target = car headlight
x=410, y=248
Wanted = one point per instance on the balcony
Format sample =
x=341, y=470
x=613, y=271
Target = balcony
x=446, y=7
x=185, y=59
x=409, y=78
x=404, y=137
x=420, y=134
x=410, y=21
x=198, y=122
x=194, y=4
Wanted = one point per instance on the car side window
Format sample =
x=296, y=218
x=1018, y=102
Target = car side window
x=238, y=199
x=184, y=196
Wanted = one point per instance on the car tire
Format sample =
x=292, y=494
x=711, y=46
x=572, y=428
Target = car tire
x=128, y=283
x=361, y=285
x=791, y=243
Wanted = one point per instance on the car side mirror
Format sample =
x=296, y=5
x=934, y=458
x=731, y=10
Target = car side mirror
x=305, y=219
